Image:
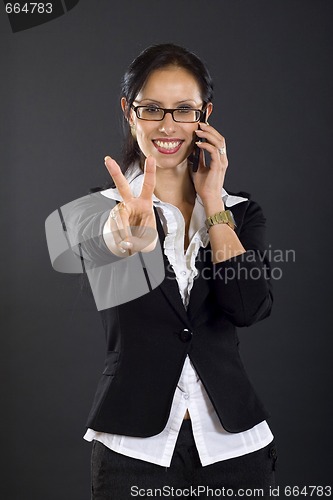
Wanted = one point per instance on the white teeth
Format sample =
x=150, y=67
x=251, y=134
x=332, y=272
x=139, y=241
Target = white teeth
x=167, y=145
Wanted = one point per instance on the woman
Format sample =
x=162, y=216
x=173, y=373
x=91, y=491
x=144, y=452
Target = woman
x=174, y=407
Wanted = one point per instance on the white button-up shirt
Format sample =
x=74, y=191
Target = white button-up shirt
x=213, y=442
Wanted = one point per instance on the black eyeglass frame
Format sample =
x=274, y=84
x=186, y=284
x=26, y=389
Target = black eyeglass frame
x=171, y=111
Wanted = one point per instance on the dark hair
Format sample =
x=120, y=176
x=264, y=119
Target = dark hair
x=152, y=58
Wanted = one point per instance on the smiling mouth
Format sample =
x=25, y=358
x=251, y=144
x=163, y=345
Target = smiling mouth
x=167, y=146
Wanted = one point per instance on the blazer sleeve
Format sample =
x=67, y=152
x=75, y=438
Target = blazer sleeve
x=242, y=284
x=84, y=221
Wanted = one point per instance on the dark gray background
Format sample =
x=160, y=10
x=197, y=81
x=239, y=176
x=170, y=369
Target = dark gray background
x=271, y=64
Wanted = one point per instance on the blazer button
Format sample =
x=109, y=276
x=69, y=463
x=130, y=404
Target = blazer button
x=185, y=335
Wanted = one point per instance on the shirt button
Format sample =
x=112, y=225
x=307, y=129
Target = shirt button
x=185, y=335
x=183, y=273
x=186, y=396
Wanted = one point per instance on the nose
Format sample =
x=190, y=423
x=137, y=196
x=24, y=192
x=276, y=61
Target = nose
x=167, y=125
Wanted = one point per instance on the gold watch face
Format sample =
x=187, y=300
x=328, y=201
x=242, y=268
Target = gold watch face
x=222, y=217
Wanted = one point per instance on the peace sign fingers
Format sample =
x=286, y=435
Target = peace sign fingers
x=132, y=222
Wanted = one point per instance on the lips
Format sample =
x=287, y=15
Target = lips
x=168, y=146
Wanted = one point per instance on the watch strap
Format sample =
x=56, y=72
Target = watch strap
x=224, y=217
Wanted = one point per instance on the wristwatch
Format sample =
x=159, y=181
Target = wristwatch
x=224, y=217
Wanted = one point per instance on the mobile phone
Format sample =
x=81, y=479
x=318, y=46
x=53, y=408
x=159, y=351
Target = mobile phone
x=196, y=150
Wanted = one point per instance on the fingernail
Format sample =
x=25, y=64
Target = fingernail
x=107, y=157
x=198, y=143
x=126, y=244
x=122, y=250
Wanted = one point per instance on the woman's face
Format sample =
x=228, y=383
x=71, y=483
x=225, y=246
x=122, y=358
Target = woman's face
x=168, y=141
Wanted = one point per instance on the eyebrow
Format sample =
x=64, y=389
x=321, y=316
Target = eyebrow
x=159, y=102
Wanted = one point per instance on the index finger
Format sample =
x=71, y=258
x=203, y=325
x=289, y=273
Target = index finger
x=211, y=131
x=119, y=178
x=149, y=179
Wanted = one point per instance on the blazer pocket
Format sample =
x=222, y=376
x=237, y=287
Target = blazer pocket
x=111, y=362
x=103, y=386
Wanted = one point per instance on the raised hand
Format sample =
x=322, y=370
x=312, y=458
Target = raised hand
x=208, y=182
x=132, y=222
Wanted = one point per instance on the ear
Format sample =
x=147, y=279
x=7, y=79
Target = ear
x=209, y=110
x=128, y=115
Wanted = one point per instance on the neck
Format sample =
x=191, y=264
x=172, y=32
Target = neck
x=174, y=185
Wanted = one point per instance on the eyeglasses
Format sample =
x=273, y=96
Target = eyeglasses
x=182, y=115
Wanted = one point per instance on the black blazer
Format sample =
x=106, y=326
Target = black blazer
x=149, y=338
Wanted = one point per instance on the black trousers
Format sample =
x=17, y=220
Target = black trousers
x=118, y=477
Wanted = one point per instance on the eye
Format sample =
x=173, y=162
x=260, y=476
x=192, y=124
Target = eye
x=151, y=109
x=184, y=110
